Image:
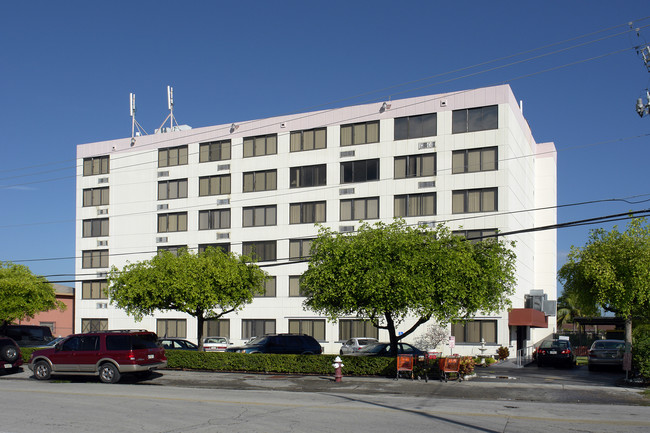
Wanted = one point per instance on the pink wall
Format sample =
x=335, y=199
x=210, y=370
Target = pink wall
x=63, y=320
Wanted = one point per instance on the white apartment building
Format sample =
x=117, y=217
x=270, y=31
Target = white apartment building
x=466, y=158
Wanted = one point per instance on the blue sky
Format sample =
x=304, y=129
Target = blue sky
x=67, y=68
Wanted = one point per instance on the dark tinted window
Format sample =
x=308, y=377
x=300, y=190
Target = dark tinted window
x=83, y=342
x=118, y=342
x=144, y=341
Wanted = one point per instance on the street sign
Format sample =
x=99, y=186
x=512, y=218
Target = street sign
x=452, y=342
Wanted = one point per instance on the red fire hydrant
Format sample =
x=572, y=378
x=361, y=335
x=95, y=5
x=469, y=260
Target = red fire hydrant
x=338, y=374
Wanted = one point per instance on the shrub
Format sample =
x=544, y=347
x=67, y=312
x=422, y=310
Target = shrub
x=490, y=360
x=641, y=352
x=467, y=364
x=503, y=352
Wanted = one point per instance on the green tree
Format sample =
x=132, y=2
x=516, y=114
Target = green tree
x=388, y=272
x=568, y=308
x=23, y=294
x=206, y=286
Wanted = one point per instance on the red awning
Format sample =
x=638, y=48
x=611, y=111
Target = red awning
x=527, y=317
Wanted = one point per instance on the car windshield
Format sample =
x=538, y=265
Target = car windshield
x=215, y=340
x=374, y=348
x=256, y=341
x=554, y=344
x=363, y=342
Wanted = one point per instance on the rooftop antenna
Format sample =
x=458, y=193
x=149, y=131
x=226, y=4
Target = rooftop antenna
x=134, y=123
x=170, y=106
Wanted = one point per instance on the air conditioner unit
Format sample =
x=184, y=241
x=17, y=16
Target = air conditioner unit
x=428, y=184
x=346, y=229
x=426, y=145
x=223, y=235
x=223, y=167
x=346, y=191
x=549, y=308
x=347, y=153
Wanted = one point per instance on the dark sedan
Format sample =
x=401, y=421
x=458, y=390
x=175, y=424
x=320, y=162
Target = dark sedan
x=556, y=352
x=383, y=349
x=606, y=353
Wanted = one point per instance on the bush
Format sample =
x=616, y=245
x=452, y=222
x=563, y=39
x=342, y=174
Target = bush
x=467, y=364
x=490, y=360
x=503, y=352
x=641, y=352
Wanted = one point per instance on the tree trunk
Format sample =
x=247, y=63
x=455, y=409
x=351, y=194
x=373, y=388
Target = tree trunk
x=199, y=328
x=392, y=335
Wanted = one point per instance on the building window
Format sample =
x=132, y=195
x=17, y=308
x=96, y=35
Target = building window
x=413, y=205
x=172, y=222
x=360, y=133
x=95, y=227
x=475, y=119
x=306, y=176
x=350, y=328
x=424, y=125
x=214, y=151
x=216, y=328
x=96, y=165
x=170, y=328
x=299, y=249
x=476, y=235
x=172, y=156
x=294, y=286
x=94, y=325
x=259, y=216
x=308, y=140
x=174, y=249
x=312, y=327
x=475, y=330
x=310, y=212
x=261, y=145
x=474, y=200
x=224, y=247
x=171, y=189
x=95, y=196
x=94, y=259
x=415, y=166
x=260, y=180
x=256, y=328
x=214, y=185
x=474, y=160
x=358, y=209
x=360, y=171
x=96, y=289
x=269, y=289
x=214, y=219
x=261, y=251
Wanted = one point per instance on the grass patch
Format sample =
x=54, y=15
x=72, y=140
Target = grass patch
x=581, y=360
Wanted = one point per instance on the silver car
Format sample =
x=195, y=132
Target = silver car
x=353, y=345
x=606, y=352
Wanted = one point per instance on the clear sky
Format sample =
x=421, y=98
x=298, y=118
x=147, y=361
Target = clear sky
x=67, y=68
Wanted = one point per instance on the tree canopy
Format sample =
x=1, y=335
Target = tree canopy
x=23, y=294
x=388, y=272
x=206, y=285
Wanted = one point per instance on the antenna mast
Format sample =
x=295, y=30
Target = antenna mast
x=134, y=123
x=170, y=106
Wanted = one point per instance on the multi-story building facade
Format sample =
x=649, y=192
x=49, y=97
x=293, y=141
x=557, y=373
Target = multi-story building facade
x=467, y=159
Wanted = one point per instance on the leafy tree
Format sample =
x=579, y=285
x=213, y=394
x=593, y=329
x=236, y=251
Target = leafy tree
x=388, y=272
x=23, y=294
x=568, y=309
x=206, y=286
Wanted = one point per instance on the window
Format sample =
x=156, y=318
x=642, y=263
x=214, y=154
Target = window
x=474, y=160
x=474, y=200
x=256, y=328
x=96, y=165
x=294, y=286
x=415, y=166
x=172, y=156
x=475, y=119
x=95, y=227
x=96, y=289
x=94, y=325
x=269, y=289
x=260, y=250
x=360, y=133
x=474, y=330
x=174, y=249
x=350, y=328
x=260, y=180
x=171, y=189
x=214, y=219
x=216, y=328
x=214, y=185
x=224, y=247
x=94, y=259
x=299, y=249
x=84, y=343
x=360, y=171
x=172, y=222
x=412, y=205
x=95, y=196
x=312, y=327
x=310, y=212
x=261, y=145
x=305, y=176
x=424, y=125
x=171, y=328
x=308, y=140
x=360, y=209
x=214, y=151
x=476, y=235
x=259, y=216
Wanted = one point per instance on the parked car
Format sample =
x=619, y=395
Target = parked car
x=355, y=344
x=10, y=356
x=28, y=335
x=556, y=352
x=383, y=349
x=107, y=354
x=215, y=344
x=606, y=352
x=177, y=344
x=281, y=343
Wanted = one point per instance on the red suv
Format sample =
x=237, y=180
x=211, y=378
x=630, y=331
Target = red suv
x=107, y=354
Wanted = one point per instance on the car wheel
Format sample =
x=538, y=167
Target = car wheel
x=9, y=353
x=42, y=370
x=108, y=373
